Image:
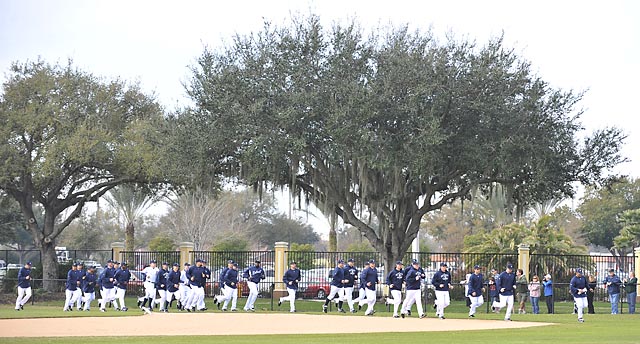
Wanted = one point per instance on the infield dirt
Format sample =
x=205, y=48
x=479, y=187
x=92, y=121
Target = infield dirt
x=180, y=324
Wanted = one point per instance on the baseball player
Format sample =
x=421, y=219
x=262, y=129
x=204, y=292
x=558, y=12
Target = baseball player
x=106, y=282
x=122, y=277
x=351, y=275
x=218, y=299
x=230, y=280
x=337, y=282
x=173, y=286
x=24, y=286
x=89, y=287
x=291, y=278
x=185, y=289
x=413, y=283
x=506, y=284
x=475, y=290
x=207, y=275
x=114, y=301
x=442, y=282
x=161, y=285
x=370, y=279
x=579, y=286
x=394, y=282
x=81, y=273
x=72, y=288
x=253, y=275
x=150, y=275
x=197, y=280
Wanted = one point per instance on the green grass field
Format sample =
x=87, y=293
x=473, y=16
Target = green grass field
x=598, y=328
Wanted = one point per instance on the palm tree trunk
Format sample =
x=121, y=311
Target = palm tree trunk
x=129, y=237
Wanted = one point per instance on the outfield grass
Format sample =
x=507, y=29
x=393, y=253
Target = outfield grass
x=598, y=328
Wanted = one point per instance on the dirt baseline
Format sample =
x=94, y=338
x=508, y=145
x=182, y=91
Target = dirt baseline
x=180, y=324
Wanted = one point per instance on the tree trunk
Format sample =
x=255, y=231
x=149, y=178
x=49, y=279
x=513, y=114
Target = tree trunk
x=129, y=237
x=333, y=235
x=49, y=267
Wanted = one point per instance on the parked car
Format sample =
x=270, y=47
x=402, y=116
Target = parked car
x=314, y=288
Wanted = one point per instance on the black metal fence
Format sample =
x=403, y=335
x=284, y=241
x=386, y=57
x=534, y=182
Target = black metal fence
x=217, y=261
x=138, y=260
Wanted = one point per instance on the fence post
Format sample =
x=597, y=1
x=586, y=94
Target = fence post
x=636, y=256
x=185, y=248
x=116, y=248
x=280, y=268
x=523, y=259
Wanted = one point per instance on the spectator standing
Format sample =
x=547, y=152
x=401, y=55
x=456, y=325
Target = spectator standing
x=522, y=290
x=590, y=293
x=534, y=294
x=630, y=286
x=548, y=292
x=613, y=283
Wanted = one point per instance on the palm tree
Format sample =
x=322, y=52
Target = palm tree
x=130, y=202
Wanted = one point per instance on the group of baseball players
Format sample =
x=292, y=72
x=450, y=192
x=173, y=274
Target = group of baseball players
x=187, y=287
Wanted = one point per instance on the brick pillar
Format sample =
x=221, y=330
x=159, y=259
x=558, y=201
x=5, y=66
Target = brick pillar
x=523, y=259
x=117, y=248
x=280, y=267
x=185, y=248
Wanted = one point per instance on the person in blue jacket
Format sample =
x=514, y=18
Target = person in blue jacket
x=161, y=285
x=413, y=278
x=613, y=283
x=441, y=281
x=506, y=285
x=230, y=281
x=579, y=287
x=71, y=291
x=122, y=277
x=89, y=287
x=291, y=279
x=224, y=290
x=173, y=285
x=24, y=286
x=253, y=275
x=337, y=283
x=476, y=289
x=395, y=280
x=548, y=292
x=197, y=281
x=351, y=275
x=107, y=287
x=370, y=280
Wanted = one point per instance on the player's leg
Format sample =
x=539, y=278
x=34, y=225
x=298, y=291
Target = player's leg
x=348, y=295
x=292, y=299
x=75, y=298
x=371, y=301
x=397, y=299
x=234, y=299
x=446, y=301
x=88, y=297
x=163, y=299
x=509, y=300
x=418, y=300
x=21, y=292
x=332, y=293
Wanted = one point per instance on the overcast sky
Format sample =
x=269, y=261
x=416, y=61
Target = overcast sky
x=580, y=45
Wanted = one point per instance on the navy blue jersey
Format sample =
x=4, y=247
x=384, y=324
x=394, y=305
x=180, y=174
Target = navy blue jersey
x=173, y=281
x=195, y=274
x=351, y=275
x=222, y=273
x=475, y=285
x=370, y=278
x=441, y=280
x=230, y=279
x=161, y=279
x=122, y=278
x=107, y=278
x=254, y=274
x=507, y=281
x=579, y=284
x=72, y=280
x=414, y=277
x=89, y=282
x=395, y=279
x=291, y=278
x=23, y=282
x=338, y=277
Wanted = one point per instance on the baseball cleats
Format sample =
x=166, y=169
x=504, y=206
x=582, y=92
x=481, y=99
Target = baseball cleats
x=146, y=310
x=102, y=310
x=279, y=303
x=422, y=316
x=354, y=311
x=402, y=315
x=234, y=310
x=396, y=316
x=409, y=312
x=324, y=308
x=21, y=307
x=341, y=310
x=442, y=317
x=124, y=309
x=580, y=320
x=472, y=316
x=507, y=319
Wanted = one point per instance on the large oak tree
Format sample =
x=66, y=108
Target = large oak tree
x=67, y=138
x=383, y=128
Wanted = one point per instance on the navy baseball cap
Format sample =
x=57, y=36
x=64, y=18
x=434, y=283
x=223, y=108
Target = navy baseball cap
x=153, y=261
x=176, y=264
x=371, y=261
x=476, y=267
x=235, y=264
x=340, y=261
x=79, y=264
x=116, y=262
x=351, y=260
x=187, y=264
x=109, y=261
x=165, y=263
x=510, y=266
x=399, y=262
x=124, y=264
x=198, y=260
x=257, y=261
x=29, y=263
x=612, y=270
x=414, y=261
x=230, y=261
x=578, y=270
x=292, y=263
x=203, y=261
x=443, y=264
